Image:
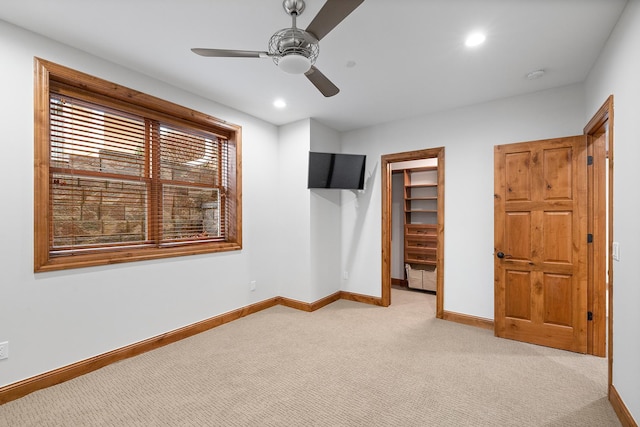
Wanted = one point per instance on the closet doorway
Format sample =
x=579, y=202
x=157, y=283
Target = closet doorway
x=421, y=221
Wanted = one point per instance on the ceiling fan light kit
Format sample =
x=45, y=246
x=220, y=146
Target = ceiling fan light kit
x=294, y=64
x=294, y=50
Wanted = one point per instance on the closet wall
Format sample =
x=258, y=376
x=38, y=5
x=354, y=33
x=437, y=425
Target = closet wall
x=397, y=226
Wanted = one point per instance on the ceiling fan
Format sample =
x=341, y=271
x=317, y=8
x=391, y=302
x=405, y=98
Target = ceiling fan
x=294, y=50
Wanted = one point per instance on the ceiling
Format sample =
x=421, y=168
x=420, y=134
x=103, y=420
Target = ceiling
x=391, y=59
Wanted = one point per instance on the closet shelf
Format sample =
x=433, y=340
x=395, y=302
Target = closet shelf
x=420, y=239
x=420, y=185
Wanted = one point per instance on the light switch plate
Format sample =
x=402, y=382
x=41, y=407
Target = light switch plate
x=4, y=350
x=615, y=249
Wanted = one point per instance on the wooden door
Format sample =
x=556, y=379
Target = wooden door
x=541, y=242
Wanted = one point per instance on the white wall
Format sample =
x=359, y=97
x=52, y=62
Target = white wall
x=294, y=212
x=325, y=222
x=617, y=72
x=468, y=135
x=397, y=226
x=309, y=247
x=55, y=319
x=361, y=229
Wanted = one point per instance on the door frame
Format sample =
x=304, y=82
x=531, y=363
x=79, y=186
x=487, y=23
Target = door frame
x=386, y=161
x=603, y=117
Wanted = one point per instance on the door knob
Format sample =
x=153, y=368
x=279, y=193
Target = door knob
x=503, y=255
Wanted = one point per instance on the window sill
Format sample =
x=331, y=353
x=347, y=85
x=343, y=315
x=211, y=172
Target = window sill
x=129, y=255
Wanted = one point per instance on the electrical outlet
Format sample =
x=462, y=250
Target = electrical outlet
x=4, y=350
x=345, y=275
x=252, y=286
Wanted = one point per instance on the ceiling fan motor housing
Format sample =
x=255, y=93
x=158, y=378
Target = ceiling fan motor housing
x=293, y=50
x=293, y=6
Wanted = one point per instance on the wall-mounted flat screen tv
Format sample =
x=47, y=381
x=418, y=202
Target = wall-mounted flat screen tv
x=336, y=170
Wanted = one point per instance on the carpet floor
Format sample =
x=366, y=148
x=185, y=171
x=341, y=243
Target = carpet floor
x=347, y=364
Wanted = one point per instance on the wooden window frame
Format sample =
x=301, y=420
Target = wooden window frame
x=47, y=74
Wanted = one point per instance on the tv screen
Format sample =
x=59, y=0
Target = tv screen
x=334, y=170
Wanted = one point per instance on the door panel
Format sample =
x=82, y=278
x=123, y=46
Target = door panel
x=518, y=235
x=518, y=294
x=517, y=169
x=540, y=242
x=556, y=231
x=558, y=300
x=557, y=174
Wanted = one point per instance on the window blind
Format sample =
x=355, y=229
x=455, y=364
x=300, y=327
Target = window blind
x=192, y=167
x=121, y=179
x=122, y=176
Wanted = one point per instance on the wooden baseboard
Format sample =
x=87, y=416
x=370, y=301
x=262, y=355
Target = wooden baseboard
x=313, y=306
x=399, y=282
x=22, y=388
x=309, y=306
x=366, y=299
x=621, y=409
x=66, y=373
x=465, y=319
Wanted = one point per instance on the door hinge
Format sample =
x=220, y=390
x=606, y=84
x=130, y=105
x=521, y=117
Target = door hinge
x=589, y=315
x=589, y=160
x=589, y=238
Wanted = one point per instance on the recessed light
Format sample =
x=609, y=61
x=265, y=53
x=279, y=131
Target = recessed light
x=475, y=39
x=279, y=103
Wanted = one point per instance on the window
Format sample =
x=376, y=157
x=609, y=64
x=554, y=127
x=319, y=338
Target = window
x=123, y=176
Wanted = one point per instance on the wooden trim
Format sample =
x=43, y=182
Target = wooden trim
x=96, y=85
x=386, y=231
x=466, y=319
x=48, y=76
x=137, y=254
x=366, y=299
x=41, y=166
x=604, y=113
x=292, y=303
x=625, y=417
x=603, y=116
x=57, y=376
x=440, y=244
x=309, y=306
x=236, y=212
x=610, y=266
x=386, y=161
x=597, y=257
x=413, y=155
x=399, y=282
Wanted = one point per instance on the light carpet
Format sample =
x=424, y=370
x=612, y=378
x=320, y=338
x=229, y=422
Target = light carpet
x=347, y=364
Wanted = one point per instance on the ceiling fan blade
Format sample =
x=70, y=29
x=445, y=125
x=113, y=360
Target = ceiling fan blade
x=229, y=53
x=323, y=84
x=331, y=14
